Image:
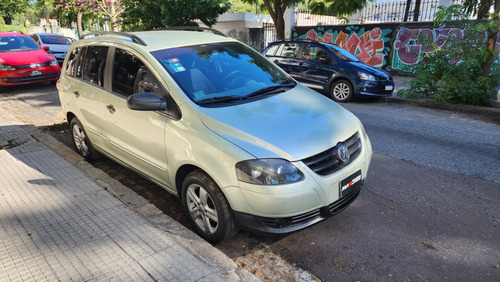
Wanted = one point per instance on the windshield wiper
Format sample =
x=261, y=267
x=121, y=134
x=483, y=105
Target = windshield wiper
x=272, y=89
x=219, y=99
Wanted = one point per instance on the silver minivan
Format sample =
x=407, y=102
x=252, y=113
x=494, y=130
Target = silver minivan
x=240, y=142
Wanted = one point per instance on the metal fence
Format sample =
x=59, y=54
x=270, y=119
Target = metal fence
x=269, y=33
x=395, y=11
x=303, y=17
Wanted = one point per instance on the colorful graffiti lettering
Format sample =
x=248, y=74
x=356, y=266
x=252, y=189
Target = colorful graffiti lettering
x=408, y=45
x=368, y=46
x=394, y=47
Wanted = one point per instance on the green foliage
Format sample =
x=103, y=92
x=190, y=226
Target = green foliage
x=337, y=8
x=452, y=73
x=9, y=8
x=139, y=15
x=4, y=27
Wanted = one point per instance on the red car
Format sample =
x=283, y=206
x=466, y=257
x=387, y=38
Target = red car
x=23, y=61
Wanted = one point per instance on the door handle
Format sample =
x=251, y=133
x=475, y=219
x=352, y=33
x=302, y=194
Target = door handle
x=111, y=109
x=76, y=93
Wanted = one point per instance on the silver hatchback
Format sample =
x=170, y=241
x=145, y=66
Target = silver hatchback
x=212, y=121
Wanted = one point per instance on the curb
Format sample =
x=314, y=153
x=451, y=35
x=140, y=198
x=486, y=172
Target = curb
x=487, y=114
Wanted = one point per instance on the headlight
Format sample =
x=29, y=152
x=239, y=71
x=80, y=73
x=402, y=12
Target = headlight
x=267, y=172
x=53, y=63
x=366, y=76
x=5, y=67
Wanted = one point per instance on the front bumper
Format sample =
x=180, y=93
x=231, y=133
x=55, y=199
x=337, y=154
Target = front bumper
x=378, y=88
x=294, y=223
x=18, y=77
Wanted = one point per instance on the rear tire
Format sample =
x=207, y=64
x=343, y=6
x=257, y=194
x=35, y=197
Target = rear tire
x=341, y=91
x=207, y=208
x=81, y=141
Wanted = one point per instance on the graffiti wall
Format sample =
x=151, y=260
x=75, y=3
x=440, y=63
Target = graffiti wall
x=394, y=47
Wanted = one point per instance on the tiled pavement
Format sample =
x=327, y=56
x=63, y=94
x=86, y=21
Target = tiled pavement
x=58, y=224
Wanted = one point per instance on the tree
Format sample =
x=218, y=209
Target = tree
x=337, y=8
x=452, y=72
x=9, y=8
x=481, y=8
x=112, y=8
x=164, y=13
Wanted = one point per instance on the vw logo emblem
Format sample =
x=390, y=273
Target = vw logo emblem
x=33, y=65
x=342, y=153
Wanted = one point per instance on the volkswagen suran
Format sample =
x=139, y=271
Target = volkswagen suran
x=240, y=142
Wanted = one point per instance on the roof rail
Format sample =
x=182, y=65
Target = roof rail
x=192, y=28
x=133, y=37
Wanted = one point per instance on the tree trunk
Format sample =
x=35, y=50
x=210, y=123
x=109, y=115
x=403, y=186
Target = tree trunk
x=280, y=27
x=484, y=9
x=79, y=16
x=113, y=19
x=417, y=11
x=492, y=40
x=407, y=10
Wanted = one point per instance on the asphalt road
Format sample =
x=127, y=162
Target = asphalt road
x=430, y=209
x=441, y=139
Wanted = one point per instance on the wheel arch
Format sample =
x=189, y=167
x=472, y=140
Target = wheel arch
x=70, y=116
x=338, y=77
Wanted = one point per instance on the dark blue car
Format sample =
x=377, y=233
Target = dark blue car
x=330, y=69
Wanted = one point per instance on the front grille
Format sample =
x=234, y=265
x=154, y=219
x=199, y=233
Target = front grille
x=36, y=65
x=326, y=163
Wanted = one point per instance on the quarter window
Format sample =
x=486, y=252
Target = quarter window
x=288, y=50
x=272, y=50
x=71, y=64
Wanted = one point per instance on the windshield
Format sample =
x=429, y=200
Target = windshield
x=341, y=53
x=55, y=39
x=17, y=44
x=222, y=72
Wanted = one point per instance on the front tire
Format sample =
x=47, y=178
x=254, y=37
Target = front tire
x=341, y=91
x=81, y=141
x=207, y=208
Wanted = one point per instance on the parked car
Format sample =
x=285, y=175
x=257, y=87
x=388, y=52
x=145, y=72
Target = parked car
x=57, y=44
x=330, y=69
x=215, y=123
x=23, y=61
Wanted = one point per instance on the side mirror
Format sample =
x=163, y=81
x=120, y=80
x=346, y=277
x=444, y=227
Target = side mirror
x=46, y=48
x=146, y=102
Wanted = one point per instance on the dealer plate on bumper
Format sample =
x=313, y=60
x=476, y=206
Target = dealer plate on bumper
x=350, y=184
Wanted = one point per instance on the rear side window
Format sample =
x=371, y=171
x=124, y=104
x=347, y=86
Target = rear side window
x=314, y=52
x=125, y=70
x=93, y=65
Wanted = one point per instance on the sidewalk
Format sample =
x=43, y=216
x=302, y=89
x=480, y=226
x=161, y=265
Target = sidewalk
x=62, y=220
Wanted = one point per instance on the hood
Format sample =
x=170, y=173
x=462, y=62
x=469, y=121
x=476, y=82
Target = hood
x=292, y=125
x=59, y=48
x=360, y=66
x=25, y=58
